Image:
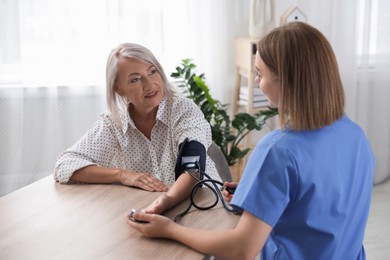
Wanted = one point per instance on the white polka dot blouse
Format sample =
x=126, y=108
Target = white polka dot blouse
x=108, y=145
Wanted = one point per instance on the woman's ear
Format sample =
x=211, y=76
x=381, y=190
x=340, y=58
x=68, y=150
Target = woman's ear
x=116, y=89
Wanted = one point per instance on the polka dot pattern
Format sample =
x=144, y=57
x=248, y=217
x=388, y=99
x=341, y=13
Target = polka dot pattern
x=108, y=145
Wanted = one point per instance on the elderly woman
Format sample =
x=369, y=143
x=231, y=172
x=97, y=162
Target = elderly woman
x=136, y=142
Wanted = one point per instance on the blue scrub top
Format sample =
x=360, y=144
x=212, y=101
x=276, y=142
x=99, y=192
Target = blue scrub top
x=314, y=188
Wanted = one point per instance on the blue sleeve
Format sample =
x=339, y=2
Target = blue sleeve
x=268, y=183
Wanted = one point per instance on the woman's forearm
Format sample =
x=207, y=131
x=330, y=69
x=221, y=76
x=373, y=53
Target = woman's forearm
x=97, y=174
x=181, y=189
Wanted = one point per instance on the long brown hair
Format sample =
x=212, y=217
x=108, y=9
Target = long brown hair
x=311, y=91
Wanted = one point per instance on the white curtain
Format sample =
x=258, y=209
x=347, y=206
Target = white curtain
x=37, y=124
x=66, y=42
x=52, y=65
x=359, y=31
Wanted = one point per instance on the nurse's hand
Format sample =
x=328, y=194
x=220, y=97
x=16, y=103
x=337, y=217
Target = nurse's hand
x=226, y=195
x=151, y=225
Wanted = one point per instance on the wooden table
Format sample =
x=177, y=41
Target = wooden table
x=48, y=220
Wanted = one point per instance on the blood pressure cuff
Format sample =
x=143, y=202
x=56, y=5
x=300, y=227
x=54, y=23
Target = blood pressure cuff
x=192, y=155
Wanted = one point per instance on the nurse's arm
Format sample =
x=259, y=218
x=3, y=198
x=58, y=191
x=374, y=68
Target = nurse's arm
x=245, y=241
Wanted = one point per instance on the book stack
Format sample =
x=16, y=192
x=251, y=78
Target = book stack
x=259, y=99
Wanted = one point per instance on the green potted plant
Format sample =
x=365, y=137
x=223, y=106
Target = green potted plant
x=226, y=133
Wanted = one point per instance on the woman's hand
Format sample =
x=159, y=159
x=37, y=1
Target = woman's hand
x=158, y=206
x=178, y=192
x=155, y=226
x=226, y=195
x=142, y=180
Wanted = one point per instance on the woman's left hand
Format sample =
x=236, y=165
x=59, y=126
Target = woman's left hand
x=155, y=226
x=158, y=206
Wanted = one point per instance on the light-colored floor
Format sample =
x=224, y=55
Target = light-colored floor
x=377, y=237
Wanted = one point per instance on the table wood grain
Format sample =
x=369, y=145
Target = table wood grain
x=48, y=220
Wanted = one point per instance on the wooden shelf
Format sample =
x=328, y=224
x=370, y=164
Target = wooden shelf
x=245, y=53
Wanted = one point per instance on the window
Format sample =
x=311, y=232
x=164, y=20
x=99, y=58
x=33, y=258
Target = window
x=67, y=42
x=373, y=37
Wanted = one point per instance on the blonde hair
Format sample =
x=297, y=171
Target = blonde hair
x=129, y=50
x=311, y=91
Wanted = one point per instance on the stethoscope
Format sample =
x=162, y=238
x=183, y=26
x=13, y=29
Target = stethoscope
x=193, y=169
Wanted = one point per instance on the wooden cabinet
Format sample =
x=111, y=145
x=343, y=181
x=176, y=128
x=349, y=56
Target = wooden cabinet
x=247, y=95
x=245, y=51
